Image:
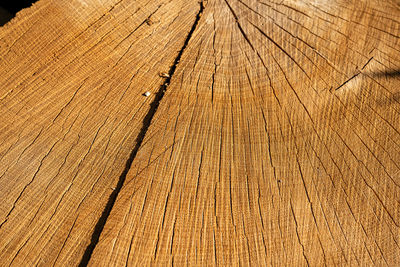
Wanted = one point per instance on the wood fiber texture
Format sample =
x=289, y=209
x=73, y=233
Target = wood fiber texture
x=275, y=140
x=72, y=78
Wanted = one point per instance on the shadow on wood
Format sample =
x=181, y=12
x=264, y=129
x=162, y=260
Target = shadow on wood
x=8, y=9
x=387, y=74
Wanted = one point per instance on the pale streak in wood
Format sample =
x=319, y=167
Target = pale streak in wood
x=72, y=75
x=254, y=157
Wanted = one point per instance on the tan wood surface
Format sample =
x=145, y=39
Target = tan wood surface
x=72, y=78
x=276, y=142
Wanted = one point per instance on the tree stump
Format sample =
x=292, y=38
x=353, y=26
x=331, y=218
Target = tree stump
x=220, y=132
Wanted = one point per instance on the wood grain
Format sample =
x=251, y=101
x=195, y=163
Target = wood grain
x=262, y=161
x=73, y=74
x=276, y=141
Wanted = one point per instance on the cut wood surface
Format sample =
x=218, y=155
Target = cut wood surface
x=73, y=75
x=271, y=135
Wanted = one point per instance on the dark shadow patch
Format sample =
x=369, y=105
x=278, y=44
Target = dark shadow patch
x=9, y=8
x=386, y=73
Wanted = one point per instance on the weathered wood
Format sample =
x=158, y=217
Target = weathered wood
x=73, y=74
x=275, y=143
x=263, y=161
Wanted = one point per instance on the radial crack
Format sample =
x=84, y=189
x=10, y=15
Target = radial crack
x=139, y=140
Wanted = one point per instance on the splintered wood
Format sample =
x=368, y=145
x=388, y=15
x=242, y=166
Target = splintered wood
x=271, y=135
